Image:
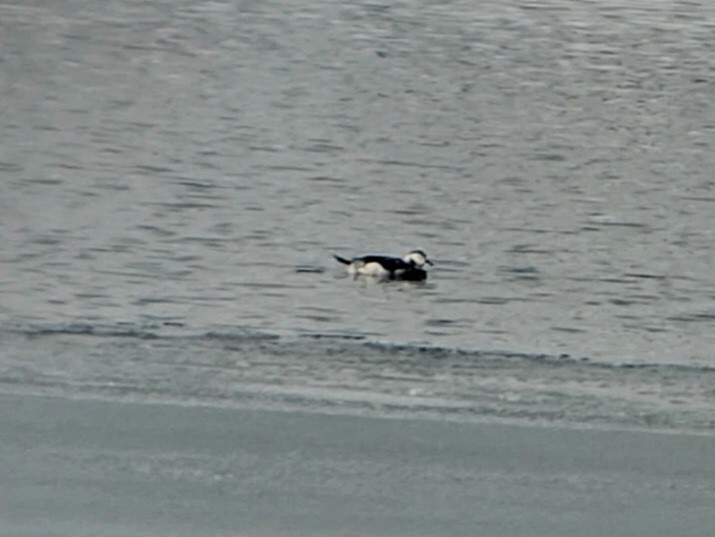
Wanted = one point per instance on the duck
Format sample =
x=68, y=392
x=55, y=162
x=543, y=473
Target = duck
x=384, y=267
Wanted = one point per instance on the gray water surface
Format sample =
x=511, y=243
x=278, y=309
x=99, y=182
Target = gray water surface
x=196, y=165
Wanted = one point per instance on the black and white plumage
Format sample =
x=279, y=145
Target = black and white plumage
x=384, y=267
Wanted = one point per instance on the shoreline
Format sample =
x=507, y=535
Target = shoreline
x=376, y=407
x=86, y=467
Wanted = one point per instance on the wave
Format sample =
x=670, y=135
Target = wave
x=164, y=330
x=348, y=373
x=168, y=330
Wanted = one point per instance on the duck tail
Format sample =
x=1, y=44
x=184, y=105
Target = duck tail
x=342, y=260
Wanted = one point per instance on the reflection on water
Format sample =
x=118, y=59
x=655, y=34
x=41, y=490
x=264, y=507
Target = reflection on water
x=200, y=164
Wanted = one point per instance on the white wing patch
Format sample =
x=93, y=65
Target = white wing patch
x=368, y=269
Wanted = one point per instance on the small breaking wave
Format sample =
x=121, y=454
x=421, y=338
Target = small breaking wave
x=175, y=331
x=164, y=330
x=345, y=373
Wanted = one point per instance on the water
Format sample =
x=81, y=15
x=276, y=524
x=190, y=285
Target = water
x=174, y=171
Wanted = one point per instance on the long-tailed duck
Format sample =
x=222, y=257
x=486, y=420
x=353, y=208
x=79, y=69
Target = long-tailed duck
x=387, y=267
